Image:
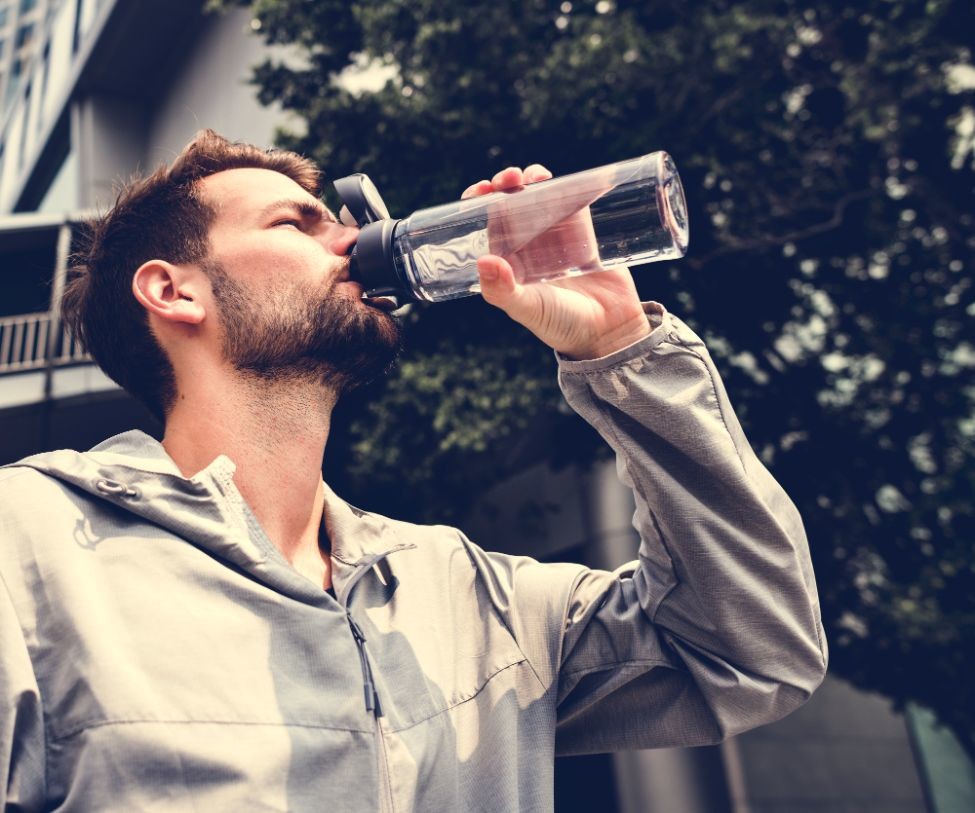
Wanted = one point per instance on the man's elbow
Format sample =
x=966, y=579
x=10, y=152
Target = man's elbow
x=764, y=700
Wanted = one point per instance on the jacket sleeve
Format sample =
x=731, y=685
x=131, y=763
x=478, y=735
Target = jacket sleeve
x=716, y=627
x=22, y=763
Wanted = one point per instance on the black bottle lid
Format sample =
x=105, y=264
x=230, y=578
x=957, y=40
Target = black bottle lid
x=361, y=198
x=373, y=264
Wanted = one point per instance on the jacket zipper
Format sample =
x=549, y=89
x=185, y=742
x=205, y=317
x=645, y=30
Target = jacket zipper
x=368, y=683
x=373, y=706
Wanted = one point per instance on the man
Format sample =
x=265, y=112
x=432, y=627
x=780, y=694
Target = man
x=201, y=624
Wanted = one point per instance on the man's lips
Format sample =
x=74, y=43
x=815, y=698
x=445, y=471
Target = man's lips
x=384, y=303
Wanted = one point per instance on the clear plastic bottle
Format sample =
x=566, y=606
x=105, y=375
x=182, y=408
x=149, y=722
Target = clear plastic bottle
x=622, y=214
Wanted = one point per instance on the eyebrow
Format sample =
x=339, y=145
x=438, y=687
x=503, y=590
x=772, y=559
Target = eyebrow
x=311, y=210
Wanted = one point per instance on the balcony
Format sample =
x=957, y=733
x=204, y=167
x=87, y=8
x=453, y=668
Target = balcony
x=38, y=357
x=51, y=394
x=40, y=361
x=37, y=341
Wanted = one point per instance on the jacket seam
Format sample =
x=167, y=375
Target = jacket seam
x=562, y=628
x=741, y=460
x=80, y=729
x=500, y=617
x=717, y=400
x=611, y=429
x=615, y=664
x=464, y=700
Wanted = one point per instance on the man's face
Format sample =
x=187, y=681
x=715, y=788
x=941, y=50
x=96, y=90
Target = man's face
x=279, y=274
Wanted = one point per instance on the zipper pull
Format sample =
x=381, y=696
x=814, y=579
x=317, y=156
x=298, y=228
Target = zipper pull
x=357, y=633
x=368, y=684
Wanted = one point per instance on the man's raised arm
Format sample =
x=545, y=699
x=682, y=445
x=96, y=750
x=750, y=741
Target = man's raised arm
x=716, y=628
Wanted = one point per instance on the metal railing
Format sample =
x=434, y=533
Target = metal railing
x=26, y=343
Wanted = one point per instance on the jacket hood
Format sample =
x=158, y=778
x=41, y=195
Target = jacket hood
x=133, y=471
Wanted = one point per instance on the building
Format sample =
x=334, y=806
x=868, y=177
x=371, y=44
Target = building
x=21, y=23
x=92, y=98
x=94, y=105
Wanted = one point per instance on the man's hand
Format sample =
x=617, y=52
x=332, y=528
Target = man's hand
x=582, y=317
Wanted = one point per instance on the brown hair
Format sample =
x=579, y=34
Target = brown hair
x=159, y=217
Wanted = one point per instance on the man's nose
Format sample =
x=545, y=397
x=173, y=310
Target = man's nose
x=343, y=243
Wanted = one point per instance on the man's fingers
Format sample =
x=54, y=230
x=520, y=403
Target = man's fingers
x=475, y=189
x=497, y=279
x=499, y=288
x=509, y=178
x=536, y=172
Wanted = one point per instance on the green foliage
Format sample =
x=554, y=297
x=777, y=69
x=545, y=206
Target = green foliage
x=449, y=407
x=828, y=153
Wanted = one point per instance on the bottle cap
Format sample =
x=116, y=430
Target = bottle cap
x=372, y=263
x=361, y=198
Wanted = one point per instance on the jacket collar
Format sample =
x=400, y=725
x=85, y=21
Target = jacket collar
x=134, y=471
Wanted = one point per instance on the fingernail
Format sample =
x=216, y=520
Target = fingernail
x=488, y=273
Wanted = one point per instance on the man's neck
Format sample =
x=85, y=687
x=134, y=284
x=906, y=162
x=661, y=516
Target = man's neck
x=275, y=434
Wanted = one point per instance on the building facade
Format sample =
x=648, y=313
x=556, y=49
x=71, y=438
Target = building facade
x=109, y=87
x=95, y=90
x=21, y=25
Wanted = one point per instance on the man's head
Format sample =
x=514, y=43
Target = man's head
x=229, y=238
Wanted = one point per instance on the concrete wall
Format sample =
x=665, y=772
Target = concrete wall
x=210, y=89
x=108, y=135
x=845, y=751
x=145, y=77
x=119, y=134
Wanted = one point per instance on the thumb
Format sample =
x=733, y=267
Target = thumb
x=499, y=288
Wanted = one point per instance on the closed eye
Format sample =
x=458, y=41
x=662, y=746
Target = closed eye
x=289, y=222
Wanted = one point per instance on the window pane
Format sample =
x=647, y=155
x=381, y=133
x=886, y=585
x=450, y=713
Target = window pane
x=24, y=35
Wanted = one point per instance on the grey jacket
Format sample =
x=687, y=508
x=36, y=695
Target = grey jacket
x=159, y=654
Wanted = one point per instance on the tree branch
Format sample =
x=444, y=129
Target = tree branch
x=768, y=241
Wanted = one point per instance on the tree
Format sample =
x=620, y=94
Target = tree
x=828, y=154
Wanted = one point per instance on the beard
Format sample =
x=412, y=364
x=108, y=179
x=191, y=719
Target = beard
x=304, y=332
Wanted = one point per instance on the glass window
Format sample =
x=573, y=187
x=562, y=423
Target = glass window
x=27, y=5
x=12, y=84
x=24, y=35
x=4, y=15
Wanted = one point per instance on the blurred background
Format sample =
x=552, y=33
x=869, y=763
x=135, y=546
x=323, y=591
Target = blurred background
x=828, y=157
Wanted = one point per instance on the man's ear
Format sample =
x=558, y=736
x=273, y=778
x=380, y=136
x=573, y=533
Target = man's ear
x=171, y=292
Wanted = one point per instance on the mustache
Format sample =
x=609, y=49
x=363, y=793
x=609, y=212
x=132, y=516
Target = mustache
x=345, y=272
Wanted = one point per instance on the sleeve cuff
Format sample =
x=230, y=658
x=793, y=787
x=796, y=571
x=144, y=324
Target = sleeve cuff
x=658, y=317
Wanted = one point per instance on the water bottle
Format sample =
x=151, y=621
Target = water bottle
x=622, y=214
